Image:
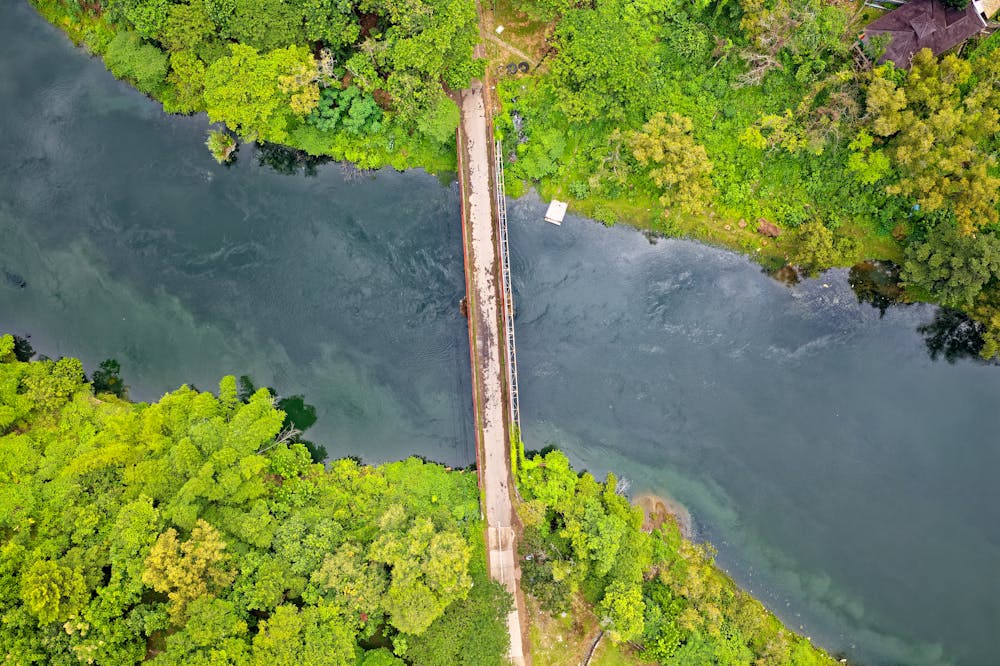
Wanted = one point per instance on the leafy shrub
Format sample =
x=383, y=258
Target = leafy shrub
x=579, y=189
x=222, y=145
x=350, y=109
x=143, y=64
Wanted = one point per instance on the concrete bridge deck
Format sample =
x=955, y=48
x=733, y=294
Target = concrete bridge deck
x=487, y=336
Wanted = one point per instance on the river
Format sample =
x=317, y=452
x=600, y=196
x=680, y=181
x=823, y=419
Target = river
x=845, y=476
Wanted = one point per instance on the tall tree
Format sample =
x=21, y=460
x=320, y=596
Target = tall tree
x=675, y=162
x=188, y=570
x=937, y=120
x=258, y=95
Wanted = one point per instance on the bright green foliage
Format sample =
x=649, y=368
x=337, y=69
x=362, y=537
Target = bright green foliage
x=349, y=109
x=143, y=64
x=473, y=632
x=149, y=18
x=606, y=58
x=222, y=145
x=187, y=571
x=428, y=569
x=816, y=247
x=938, y=121
x=6, y=348
x=620, y=65
x=439, y=119
x=381, y=657
x=622, y=607
x=188, y=27
x=259, y=66
x=50, y=591
x=261, y=24
x=655, y=589
x=870, y=166
x=187, y=80
x=674, y=161
x=186, y=530
x=248, y=91
x=146, y=16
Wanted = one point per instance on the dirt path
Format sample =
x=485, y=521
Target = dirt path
x=484, y=294
x=513, y=49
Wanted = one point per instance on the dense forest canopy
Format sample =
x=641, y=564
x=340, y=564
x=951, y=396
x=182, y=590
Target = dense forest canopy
x=191, y=531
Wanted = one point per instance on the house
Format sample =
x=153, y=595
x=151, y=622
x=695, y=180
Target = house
x=930, y=24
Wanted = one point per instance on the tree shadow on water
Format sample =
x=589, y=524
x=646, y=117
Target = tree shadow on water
x=288, y=161
x=953, y=335
x=876, y=283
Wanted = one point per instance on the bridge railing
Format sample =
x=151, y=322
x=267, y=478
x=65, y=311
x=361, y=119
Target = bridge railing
x=508, y=293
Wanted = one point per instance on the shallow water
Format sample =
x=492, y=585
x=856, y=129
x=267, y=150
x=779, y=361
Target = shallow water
x=845, y=476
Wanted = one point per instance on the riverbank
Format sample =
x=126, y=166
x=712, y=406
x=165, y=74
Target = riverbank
x=662, y=361
x=779, y=176
x=708, y=126
x=192, y=60
x=659, y=595
x=658, y=509
x=254, y=567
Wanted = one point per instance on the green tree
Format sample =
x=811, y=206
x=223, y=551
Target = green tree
x=214, y=634
x=7, y=349
x=380, y=657
x=816, y=248
x=473, y=632
x=188, y=27
x=953, y=267
x=51, y=591
x=222, y=145
x=107, y=379
x=49, y=385
x=187, y=76
x=606, y=56
x=265, y=25
x=937, y=120
x=278, y=566
x=429, y=569
x=356, y=582
x=623, y=608
x=439, y=120
x=148, y=16
x=675, y=162
x=868, y=165
x=254, y=94
x=143, y=64
x=187, y=570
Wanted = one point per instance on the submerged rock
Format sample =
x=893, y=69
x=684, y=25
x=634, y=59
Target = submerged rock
x=14, y=280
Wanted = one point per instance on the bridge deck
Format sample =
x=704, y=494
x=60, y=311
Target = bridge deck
x=487, y=338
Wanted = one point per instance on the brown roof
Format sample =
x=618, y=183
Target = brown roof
x=923, y=24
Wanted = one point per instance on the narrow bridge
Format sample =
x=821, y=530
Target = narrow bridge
x=491, y=343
